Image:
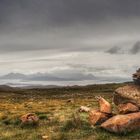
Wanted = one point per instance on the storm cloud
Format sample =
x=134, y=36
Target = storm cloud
x=136, y=48
x=114, y=50
x=63, y=36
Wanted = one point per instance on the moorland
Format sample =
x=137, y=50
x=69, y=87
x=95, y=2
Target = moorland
x=56, y=109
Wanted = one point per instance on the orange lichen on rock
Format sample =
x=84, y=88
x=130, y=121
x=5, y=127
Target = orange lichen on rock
x=127, y=94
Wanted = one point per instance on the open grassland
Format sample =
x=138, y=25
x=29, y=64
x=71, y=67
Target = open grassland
x=57, y=111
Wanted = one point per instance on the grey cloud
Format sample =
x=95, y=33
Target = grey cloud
x=33, y=30
x=59, y=41
x=114, y=50
x=136, y=48
x=88, y=68
x=114, y=79
x=62, y=25
x=66, y=11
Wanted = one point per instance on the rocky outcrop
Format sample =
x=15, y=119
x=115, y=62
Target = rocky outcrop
x=127, y=108
x=122, y=123
x=127, y=94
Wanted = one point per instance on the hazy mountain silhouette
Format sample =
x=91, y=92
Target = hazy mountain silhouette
x=48, y=77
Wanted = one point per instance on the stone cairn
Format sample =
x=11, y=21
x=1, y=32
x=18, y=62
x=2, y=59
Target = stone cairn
x=136, y=77
x=127, y=101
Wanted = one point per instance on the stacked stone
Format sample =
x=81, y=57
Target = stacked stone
x=136, y=77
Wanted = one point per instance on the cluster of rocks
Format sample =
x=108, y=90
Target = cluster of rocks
x=127, y=119
x=127, y=100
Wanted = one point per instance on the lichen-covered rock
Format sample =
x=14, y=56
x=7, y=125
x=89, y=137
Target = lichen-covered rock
x=122, y=123
x=96, y=117
x=104, y=105
x=127, y=94
x=127, y=108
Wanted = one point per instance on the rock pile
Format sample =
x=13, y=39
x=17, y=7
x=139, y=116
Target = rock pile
x=127, y=100
x=127, y=120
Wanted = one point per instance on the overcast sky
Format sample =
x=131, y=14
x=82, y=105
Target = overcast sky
x=70, y=37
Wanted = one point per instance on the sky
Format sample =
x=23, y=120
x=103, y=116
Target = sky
x=75, y=41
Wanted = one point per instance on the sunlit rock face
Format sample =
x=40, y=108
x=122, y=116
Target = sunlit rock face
x=122, y=123
x=96, y=117
x=104, y=105
x=127, y=108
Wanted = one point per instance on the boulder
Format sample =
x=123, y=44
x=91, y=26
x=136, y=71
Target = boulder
x=122, y=123
x=127, y=108
x=29, y=118
x=84, y=109
x=96, y=117
x=127, y=94
x=104, y=105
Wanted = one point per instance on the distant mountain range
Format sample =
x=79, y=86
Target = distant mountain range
x=48, y=80
x=47, y=77
x=13, y=76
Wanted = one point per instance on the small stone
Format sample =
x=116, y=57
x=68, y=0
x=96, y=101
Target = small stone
x=45, y=137
x=84, y=109
x=70, y=101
